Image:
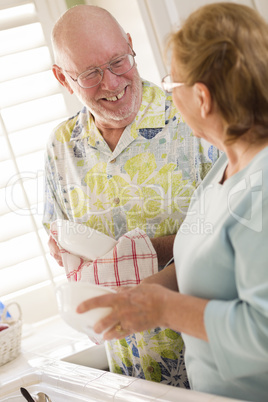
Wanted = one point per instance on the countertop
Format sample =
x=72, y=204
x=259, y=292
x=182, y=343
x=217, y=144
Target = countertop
x=40, y=367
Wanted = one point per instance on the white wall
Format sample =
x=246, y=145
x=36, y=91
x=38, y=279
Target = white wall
x=167, y=15
x=128, y=14
x=184, y=8
x=150, y=21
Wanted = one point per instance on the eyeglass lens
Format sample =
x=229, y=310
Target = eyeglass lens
x=167, y=83
x=119, y=66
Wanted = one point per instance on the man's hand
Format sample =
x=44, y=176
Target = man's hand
x=54, y=250
x=164, y=248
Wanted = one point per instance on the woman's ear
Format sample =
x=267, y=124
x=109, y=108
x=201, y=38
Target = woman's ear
x=57, y=71
x=203, y=98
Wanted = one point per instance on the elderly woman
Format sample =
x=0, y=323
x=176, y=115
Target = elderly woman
x=219, y=283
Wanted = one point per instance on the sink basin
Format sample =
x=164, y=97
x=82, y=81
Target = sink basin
x=71, y=388
x=55, y=394
x=94, y=357
x=63, y=381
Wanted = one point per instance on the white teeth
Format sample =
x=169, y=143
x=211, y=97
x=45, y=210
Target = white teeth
x=120, y=95
x=115, y=98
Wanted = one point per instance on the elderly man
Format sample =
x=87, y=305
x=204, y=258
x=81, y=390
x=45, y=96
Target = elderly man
x=126, y=160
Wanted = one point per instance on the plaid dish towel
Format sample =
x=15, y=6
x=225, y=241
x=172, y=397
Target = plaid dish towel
x=128, y=263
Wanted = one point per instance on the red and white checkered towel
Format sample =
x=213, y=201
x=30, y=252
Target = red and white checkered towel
x=128, y=263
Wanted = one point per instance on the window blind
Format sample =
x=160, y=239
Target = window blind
x=32, y=103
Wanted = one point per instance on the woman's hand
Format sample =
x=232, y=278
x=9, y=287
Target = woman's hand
x=133, y=310
x=148, y=306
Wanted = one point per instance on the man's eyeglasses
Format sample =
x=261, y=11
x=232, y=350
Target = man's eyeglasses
x=168, y=85
x=119, y=66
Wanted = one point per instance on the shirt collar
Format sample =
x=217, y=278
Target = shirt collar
x=150, y=115
x=152, y=109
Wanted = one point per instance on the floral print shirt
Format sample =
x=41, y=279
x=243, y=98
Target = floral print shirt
x=145, y=182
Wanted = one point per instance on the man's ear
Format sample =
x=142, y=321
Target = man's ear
x=129, y=40
x=203, y=98
x=57, y=71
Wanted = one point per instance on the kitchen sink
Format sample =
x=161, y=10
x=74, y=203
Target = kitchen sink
x=65, y=382
x=94, y=356
x=59, y=383
x=56, y=395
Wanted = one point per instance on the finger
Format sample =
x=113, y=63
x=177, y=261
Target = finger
x=52, y=244
x=124, y=288
x=106, y=323
x=57, y=257
x=113, y=325
x=54, y=250
x=114, y=334
x=59, y=261
x=99, y=301
x=116, y=288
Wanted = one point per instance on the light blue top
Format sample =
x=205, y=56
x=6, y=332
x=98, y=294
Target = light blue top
x=221, y=254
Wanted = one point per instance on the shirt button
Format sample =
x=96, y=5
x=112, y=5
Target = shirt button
x=113, y=160
x=150, y=369
x=116, y=200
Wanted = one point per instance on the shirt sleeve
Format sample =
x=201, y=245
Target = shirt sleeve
x=52, y=208
x=238, y=329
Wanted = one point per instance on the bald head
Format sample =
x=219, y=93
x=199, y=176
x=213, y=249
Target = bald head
x=81, y=24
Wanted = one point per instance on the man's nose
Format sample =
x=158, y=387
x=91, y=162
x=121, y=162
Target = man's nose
x=109, y=80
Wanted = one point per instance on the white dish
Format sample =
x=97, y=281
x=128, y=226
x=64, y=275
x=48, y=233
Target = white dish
x=82, y=240
x=70, y=295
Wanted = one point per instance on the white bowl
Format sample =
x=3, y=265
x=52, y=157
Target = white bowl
x=70, y=295
x=82, y=240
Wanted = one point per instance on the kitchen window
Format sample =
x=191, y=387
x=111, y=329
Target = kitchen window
x=32, y=103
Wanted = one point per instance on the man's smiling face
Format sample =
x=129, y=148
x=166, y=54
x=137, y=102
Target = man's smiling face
x=116, y=100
